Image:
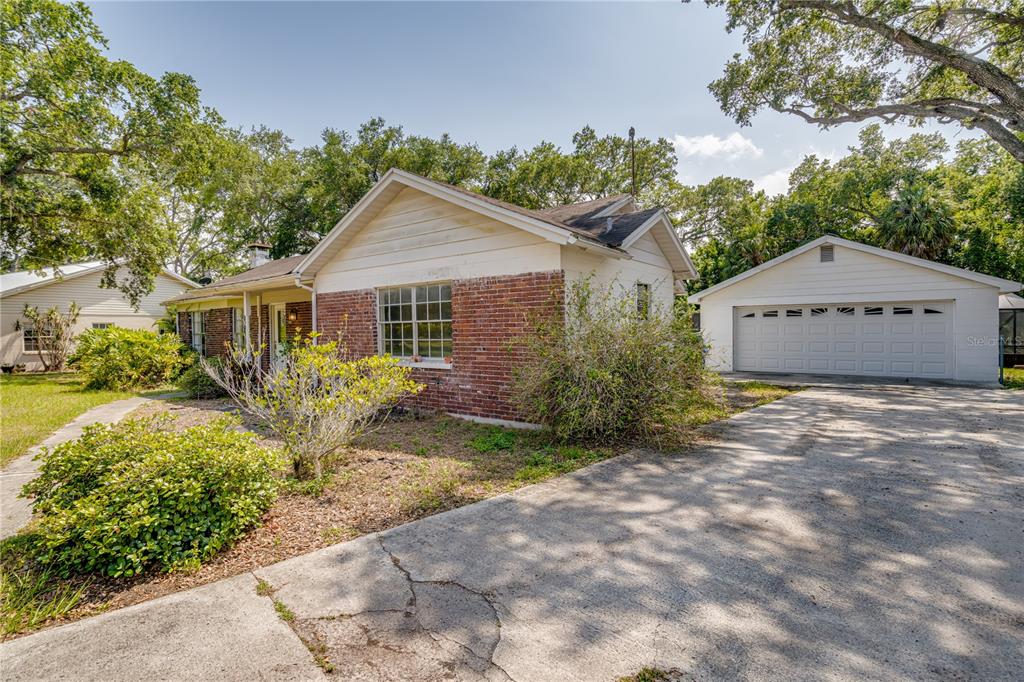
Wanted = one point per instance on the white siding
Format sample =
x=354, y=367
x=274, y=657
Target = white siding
x=420, y=238
x=858, y=277
x=98, y=306
x=648, y=265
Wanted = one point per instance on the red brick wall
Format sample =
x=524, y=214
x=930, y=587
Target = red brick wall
x=303, y=322
x=185, y=328
x=487, y=314
x=218, y=332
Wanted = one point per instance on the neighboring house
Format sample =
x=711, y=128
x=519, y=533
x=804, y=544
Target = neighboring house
x=833, y=306
x=1011, y=329
x=79, y=283
x=442, y=278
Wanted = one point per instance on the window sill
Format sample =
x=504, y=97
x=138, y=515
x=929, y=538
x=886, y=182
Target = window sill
x=424, y=364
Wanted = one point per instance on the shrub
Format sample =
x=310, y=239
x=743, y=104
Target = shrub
x=197, y=382
x=124, y=497
x=606, y=371
x=119, y=358
x=314, y=400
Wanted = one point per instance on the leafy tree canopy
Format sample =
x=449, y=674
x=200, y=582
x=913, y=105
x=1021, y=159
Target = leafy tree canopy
x=80, y=135
x=832, y=62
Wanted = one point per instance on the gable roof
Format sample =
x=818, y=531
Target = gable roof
x=1004, y=285
x=573, y=214
x=1011, y=302
x=576, y=224
x=12, y=283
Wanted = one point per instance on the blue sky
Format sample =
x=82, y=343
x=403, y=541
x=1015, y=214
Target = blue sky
x=497, y=74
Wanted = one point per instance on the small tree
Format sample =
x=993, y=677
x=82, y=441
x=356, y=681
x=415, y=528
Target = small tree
x=316, y=401
x=54, y=334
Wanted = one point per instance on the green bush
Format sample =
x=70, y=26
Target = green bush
x=197, y=382
x=125, y=497
x=119, y=358
x=606, y=371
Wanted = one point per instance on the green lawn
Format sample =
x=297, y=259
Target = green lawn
x=34, y=405
x=1013, y=378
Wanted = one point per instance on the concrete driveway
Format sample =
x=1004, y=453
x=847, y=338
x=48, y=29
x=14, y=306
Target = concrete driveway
x=849, y=534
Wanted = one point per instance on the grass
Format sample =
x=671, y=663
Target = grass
x=35, y=405
x=1013, y=378
x=283, y=612
x=31, y=596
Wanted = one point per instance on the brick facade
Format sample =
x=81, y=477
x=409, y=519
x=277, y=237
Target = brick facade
x=218, y=332
x=488, y=313
x=219, y=327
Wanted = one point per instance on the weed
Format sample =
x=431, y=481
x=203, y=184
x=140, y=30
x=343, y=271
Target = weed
x=494, y=439
x=314, y=487
x=648, y=675
x=335, y=534
x=30, y=598
x=263, y=588
x=421, y=451
x=283, y=612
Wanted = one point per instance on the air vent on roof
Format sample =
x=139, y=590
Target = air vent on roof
x=828, y=253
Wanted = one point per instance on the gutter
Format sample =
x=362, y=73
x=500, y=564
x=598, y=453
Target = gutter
x=312, y=291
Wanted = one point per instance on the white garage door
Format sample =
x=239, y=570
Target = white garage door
x=888, y=339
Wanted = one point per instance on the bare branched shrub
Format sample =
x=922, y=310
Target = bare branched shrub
x=609, y=371
x=54, y=334
x=313, y=399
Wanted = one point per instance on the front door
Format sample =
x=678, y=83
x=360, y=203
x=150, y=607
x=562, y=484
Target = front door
x=278, y=332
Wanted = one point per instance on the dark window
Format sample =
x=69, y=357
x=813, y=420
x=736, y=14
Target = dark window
x=199, y=332
x=873, y=310
x=794, y=312
x=32, y=341
x=818, y=312
x=770, y=313
x=846, y=310
x=416, y=321
x=902, y=310
x=748, y=315
x=932, y=311
x=101, y=325
x=643, y=299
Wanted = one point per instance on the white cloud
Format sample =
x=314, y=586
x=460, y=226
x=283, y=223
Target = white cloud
x=732, y=147
x=776, y=182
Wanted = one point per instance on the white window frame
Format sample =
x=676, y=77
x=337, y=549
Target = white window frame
x=237, y=327
x=201, y=335
x=26, y=330
x=408, y=359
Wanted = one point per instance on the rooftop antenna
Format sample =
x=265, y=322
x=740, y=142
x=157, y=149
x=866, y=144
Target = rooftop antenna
x=632, y=159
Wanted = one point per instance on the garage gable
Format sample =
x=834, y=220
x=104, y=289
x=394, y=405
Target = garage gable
x=830, y=269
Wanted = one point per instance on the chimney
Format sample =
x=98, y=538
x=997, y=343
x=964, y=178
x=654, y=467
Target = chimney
x=258, y=254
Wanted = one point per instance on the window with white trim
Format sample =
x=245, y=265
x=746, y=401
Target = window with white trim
x=198, y=325
x=416, y=321
x=237, y=327
x=30, y=340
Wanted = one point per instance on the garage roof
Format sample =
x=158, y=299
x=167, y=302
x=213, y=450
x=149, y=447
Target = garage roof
x=1005, y=286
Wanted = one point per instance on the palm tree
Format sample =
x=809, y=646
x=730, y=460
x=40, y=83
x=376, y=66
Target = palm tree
x=916, y=223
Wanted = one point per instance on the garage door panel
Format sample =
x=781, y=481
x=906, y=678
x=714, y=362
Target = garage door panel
x=892, y=339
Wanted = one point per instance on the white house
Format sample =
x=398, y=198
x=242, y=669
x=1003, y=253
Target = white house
x=442, y=278
x=833, y=306
x=80, y=283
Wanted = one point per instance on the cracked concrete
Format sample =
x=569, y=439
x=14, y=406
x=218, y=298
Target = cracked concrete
x=835, y=535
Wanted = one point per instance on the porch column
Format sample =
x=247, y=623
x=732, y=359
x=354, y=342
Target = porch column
x=247, y=316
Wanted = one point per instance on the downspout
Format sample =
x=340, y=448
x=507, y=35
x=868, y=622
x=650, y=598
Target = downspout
x=312, y=291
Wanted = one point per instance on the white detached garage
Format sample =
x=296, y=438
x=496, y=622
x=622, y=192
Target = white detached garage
x=834, y=306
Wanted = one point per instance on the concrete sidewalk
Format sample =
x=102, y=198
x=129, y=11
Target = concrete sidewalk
x=841, y=535
x=16, y=512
